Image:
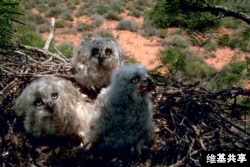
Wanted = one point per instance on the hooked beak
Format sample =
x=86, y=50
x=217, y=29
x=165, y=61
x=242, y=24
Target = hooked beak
x=147, y=85
x=100, y=58
x=49, y=106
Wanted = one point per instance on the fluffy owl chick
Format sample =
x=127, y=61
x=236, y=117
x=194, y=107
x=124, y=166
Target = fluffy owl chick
x=52, y=106
x=95, y=59
x=123, y=111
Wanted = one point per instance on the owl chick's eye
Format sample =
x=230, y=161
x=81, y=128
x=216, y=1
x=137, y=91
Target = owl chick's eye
x=95, y=51
x=135, y=79
x=38, y=102
x=54, y=96
x=108, y=52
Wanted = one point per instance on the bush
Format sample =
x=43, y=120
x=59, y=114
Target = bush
x=245, y=36
x=184, y=65
x=115, y=7
x=210, y=45
x=54, y=12
x=179, y=41
x=111, y=15
x=166, y=14
x=134, y=12
x=42, y=8
x=67, y=16
x=52, y=3
x=234, y=42
x=97, y=20
x=81, y=26
x=231, y=75
x=35, y=18
x=102, y=9
x=44, y=28
x=8, y=15
x=29, y=37
x=223, y=40
x=60, y=24
x=162, y=33
x=130, y=25
x=149, y=30
x=66, y=49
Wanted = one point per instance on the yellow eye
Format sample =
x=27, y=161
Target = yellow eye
x=135, y=79
x=108, y=51
x=54, y=96
x=38, y=102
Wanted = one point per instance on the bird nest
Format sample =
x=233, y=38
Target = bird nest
x=190, y=120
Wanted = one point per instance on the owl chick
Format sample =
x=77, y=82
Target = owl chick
x=123, y=111
x=95, y=59
x=52, y=106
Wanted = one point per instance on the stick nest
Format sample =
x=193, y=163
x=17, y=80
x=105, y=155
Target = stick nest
x=190, y=120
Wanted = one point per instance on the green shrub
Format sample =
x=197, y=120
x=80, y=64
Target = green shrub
x=44, y=28
x=174, y=57
x=231, y=23
x=76, y=2
x=231, y=75
x=245, y=36
x=60, y=24
x=67, y=16
x=35, y=18
x=84, y=10
x=29, y=37
x=130, y=25
x=52, y=3
x=54, y=12
x=66, y=49
x=102, y=9
x=28, y=5
x=134, y=12
x=42, y=8
x=211, y=45
x=169, y=13
x=81, y=26
x=115, y=7
x=97, y=20
x=179, y=41
x=223, y=40
x=234, y=42
x=184, y=65
x=149, y=30
x=9, y=12
x=111, y=15
x=162, y=33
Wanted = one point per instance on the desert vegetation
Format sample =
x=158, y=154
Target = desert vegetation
x=193, y=96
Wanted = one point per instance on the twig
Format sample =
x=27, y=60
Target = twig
x=51, y=34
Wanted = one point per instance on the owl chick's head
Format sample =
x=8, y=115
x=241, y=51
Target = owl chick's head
x=133, y=78
x=104, y=51
x=41, y=96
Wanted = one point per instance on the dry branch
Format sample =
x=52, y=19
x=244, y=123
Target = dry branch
x=190, y=119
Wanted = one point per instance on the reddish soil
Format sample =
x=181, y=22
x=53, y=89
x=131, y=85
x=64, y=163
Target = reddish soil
x=145, y=49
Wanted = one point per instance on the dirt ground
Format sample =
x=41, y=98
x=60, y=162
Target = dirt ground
x=187, y=117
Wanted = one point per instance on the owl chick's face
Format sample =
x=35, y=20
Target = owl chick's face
x=133, y=78
x=104, y=51
x=42, y=98
x=45, y=97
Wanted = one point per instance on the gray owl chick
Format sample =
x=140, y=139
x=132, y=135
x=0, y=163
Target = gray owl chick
x=52, y=106
x=95, y=59
x=123, y=111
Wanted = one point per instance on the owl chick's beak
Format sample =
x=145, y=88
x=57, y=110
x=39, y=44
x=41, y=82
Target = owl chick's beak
x=146, y=85
x=100, y=58
x=49, y=106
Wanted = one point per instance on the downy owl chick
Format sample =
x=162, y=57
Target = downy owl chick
x=123, y=111
x=52, y=106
